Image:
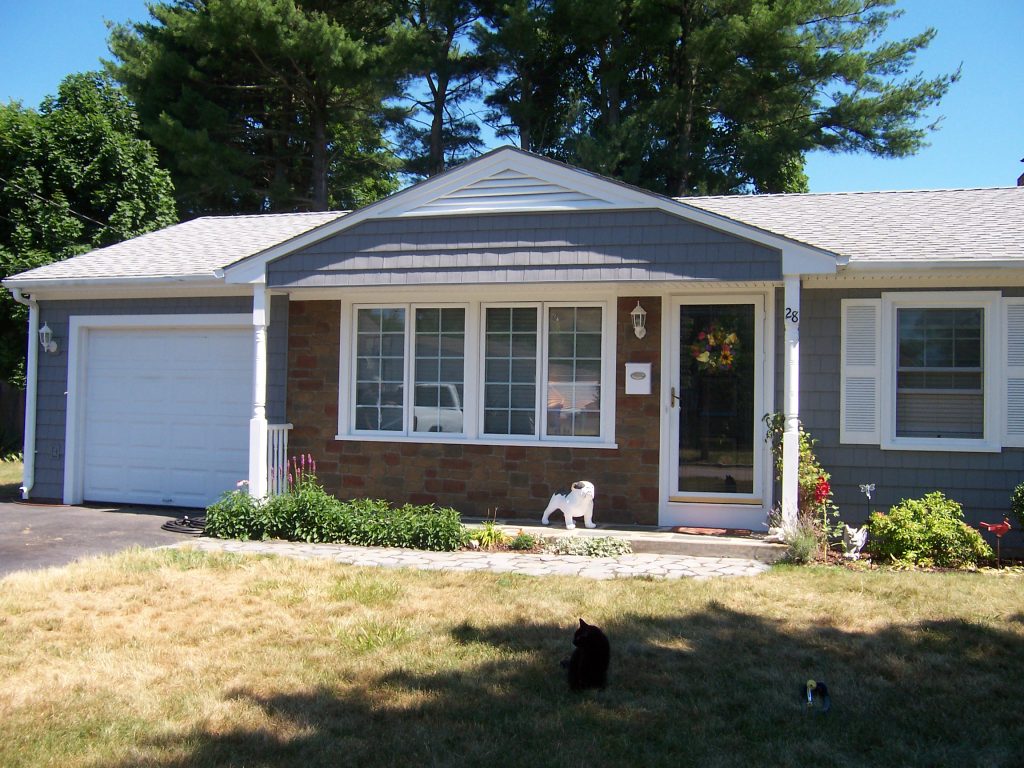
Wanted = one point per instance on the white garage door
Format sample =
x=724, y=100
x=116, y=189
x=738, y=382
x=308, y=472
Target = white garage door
x=166, y=414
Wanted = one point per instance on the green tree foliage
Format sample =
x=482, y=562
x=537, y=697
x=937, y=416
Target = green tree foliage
x=74, y=175
x=265, y=105
x=443, y=71
x=279, y=104
x=535, y=69
x=720, y=96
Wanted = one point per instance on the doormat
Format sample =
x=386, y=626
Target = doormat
x=712, y=531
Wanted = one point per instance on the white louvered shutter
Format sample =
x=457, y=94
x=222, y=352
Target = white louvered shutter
x=1014, y=352
x=860, y=393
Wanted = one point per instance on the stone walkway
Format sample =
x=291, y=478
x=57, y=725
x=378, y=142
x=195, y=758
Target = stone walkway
x=624, y=566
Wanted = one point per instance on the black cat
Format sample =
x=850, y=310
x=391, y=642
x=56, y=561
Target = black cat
x=588, y=665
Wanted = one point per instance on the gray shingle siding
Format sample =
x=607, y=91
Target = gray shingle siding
x=51, y=404
x=642, y=245
x=277, y=360
x=981, y=482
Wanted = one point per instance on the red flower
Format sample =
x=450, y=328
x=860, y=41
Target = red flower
x=822, y=491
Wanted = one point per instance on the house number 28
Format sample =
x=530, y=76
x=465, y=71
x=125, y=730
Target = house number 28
x=793, y=315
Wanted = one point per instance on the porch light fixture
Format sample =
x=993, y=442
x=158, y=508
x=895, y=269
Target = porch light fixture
x=639, y=318
x=46, y=339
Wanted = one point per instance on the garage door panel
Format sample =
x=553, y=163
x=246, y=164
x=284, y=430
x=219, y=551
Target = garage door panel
x=195, y=436
x=166, y=414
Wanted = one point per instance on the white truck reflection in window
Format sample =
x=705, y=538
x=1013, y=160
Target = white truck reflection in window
x=438, y=408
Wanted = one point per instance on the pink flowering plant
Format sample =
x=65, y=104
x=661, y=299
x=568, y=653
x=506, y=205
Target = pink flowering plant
x=302, y=469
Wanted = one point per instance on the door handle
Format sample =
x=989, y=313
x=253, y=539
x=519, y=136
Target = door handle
x=674, y=400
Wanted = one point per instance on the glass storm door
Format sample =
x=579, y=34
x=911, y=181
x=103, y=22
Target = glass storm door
x=716, y=402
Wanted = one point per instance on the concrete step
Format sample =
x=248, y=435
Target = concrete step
x=653, y=540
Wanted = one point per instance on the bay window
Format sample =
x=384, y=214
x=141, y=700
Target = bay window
x=480, y=371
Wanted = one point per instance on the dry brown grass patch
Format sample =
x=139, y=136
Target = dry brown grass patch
x=178, y=658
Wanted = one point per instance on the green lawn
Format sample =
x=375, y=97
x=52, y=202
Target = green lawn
x=10, y=479
x=176, y=658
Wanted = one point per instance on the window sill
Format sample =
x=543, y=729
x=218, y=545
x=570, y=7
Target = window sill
x=435, y=439
x=938, y=444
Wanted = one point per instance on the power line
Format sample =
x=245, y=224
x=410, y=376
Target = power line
x=52, y=202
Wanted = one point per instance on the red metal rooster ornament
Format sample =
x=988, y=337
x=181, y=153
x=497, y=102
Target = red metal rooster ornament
x=1000, y=530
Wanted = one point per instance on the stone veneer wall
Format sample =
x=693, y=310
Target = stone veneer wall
x=476, y=479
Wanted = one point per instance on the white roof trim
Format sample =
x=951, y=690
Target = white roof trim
x=553, y=187
x=919, y=265
x=210, y=279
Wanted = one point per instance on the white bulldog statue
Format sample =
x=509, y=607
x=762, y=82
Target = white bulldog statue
x=578, y=502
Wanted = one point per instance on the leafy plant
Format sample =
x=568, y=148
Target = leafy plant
x=803, y=545
x=927, y=531
x=490, y=535
x=306, y=512
x=235, y=515
x=523, y=542
x=604, y=546
x=1017, y=506
x=372, y=522
x=815, y=508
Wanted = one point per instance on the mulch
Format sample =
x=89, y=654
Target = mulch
x=711, y=531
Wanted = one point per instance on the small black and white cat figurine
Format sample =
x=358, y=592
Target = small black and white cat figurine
x=588, y=665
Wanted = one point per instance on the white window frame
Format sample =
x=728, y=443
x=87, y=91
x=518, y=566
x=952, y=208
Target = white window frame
x=408, y=387
x=992, y=376
x=473, y=401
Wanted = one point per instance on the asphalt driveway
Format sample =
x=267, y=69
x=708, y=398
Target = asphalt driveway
x=36, y=536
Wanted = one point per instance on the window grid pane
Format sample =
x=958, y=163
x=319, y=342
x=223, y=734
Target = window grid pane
x=510, y=371
x=380, y=369
x=574, y=372
x=439, y=364
x=940, y=374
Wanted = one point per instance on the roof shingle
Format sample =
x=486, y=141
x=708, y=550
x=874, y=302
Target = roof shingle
x=971, y=226
x=968, y=225
x=194, y=248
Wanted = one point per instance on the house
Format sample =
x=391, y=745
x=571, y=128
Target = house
x=489, y=335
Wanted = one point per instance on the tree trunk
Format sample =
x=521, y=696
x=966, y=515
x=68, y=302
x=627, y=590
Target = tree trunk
x=436, y=164
x=320, y=200
x=686, y=80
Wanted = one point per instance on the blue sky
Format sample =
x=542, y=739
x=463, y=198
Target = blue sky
x=980, y=142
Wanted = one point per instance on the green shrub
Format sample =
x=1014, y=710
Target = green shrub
x=927, y=531
x=605, y=546
x=371, y=522
x=523, y=542
x=319, y=516
x=235, y=515
x=308, y=513
x=1017, y=506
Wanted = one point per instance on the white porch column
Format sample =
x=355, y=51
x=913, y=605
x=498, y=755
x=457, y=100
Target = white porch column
x=258, y=422
x=791, y=403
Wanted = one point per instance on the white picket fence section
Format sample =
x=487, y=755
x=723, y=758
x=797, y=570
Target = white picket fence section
x=277, y=458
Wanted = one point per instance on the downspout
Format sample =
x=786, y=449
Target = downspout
x=31, y=385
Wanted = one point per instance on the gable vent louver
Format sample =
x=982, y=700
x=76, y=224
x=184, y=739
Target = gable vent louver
x=509, y=191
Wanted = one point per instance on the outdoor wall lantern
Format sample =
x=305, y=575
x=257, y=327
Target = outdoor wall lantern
x=639, y=317
x=46, y=339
